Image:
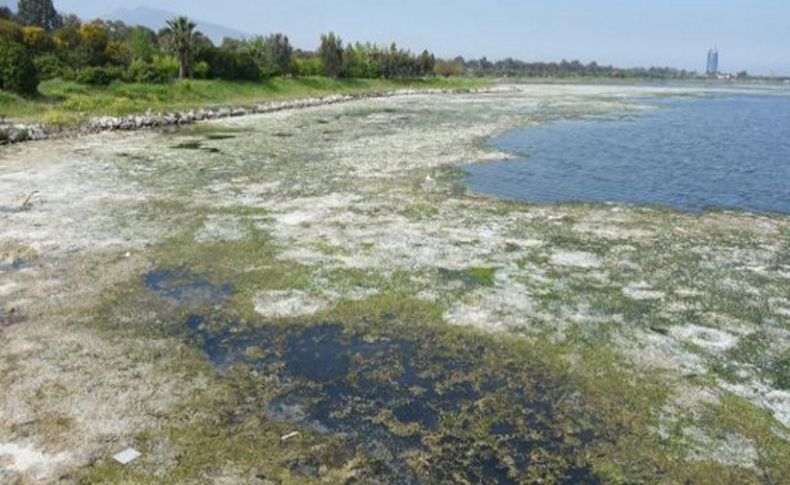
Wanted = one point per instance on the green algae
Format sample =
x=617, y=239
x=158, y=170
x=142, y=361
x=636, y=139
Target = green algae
x=472, y=277
x=600, y=397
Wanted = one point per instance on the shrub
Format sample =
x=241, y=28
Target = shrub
x=201, y=70
x=49, y=66
x=160, y=71
x=17, y=71
x=68, y=73
x=309, y=66
x=118, y=53
x=36, y=39
x=99, y=76
x=231, y=65
x=60, y=118
x=95, y=37
x=10, y=31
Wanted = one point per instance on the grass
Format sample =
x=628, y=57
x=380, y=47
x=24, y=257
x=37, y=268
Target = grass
x=69, y=103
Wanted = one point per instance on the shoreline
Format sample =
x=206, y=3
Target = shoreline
x=27, y=132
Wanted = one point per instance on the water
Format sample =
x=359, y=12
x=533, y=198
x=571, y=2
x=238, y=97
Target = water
x=395, y=392
x=341, y=382
x=185, y=287
x=723, y=151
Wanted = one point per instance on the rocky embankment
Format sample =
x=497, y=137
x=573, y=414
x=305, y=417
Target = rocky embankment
x=20, y=132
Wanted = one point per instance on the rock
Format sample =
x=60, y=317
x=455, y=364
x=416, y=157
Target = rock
x=23, y=132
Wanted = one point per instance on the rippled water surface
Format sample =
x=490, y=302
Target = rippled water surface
x=730, y=151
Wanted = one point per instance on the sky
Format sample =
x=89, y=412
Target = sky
x=752, y=35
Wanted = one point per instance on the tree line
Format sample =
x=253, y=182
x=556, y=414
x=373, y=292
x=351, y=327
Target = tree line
x=38, y=43
x=565, y=69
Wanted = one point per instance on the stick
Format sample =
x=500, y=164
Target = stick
x=26, y=204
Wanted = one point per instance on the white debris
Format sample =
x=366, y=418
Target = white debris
x=285, y=304
x=642, y=291
x=708, y=338
x=127, y=456
x=579, y=259
x=289, y=436
x=29, y=461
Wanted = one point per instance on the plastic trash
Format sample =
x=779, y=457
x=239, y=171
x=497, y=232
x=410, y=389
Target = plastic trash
x=127, y=456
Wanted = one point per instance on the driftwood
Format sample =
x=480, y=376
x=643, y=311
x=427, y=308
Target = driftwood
x=28, y=203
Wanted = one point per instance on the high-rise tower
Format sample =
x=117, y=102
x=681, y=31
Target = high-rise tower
x=713, y=62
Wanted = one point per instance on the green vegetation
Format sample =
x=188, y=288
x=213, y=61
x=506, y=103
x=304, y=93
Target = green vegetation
x=17, y=71
x=100, y=52
x=61, y=71
x=39, y=12
x=38, y=44
x=181, y=32
x=68, y=102
x=331, y=52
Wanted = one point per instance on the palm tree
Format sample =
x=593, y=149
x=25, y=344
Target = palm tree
x=182, y=36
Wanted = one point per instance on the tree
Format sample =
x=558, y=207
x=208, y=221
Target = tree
x=450, y=68
x=358, y=62
x=280, y=52
x=230, y=65
x=36, y=39
x=331, y=53
x=119, y=31
x=143, y=43
x=67, y=45
x=10, y=31
x=39, y=13
x=94, y=40
x=259, y=51
x=71, y=21
x=426, y=63
x=118, y=53
x=17, y=72
x=182, y=39
x=233, y=45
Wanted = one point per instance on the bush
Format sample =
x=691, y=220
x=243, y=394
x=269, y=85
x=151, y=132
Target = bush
x=118, y=53
x=162, y=70
x=49, y=66
x=309, y=66
x=36, y=39
x=201, y=70
x=232, y=66
x=99, y=76
x=17, y=71
x=10, y=31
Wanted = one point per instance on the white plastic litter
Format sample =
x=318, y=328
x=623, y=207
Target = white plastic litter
x=127, y=456
x=289, y=436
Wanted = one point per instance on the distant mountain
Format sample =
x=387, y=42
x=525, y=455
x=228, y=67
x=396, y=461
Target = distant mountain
x=155, y=18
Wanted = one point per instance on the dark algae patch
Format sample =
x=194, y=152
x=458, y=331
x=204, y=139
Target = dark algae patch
x=423, y=406
x=185, y=287
x=197, y=145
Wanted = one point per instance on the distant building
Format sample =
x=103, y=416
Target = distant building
x=713, y=62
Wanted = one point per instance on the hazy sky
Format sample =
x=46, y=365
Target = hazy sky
x=751, y=34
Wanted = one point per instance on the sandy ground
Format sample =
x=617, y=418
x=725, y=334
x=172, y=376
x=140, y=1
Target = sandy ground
x=363, y=200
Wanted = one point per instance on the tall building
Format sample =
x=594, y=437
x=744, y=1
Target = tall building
x=713, y=61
